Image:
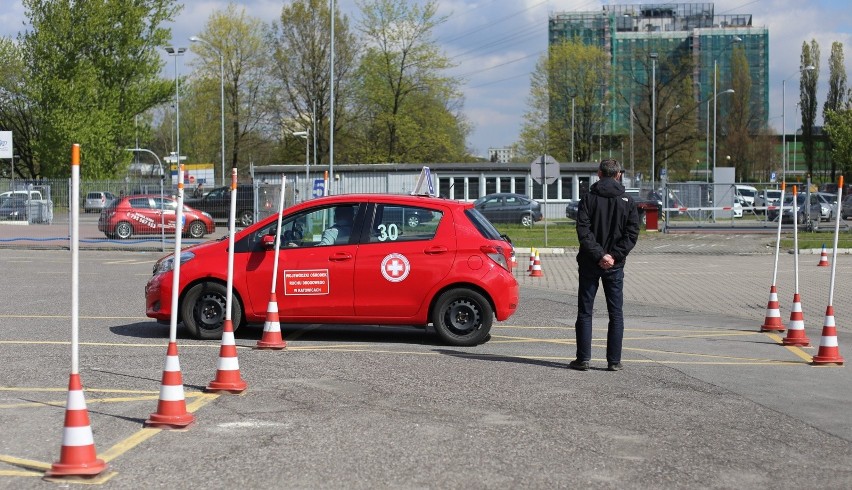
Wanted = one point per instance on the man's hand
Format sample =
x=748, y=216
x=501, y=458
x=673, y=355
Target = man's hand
x=606, y=262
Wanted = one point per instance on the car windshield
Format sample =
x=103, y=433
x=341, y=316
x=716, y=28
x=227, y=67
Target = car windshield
x=788, y=201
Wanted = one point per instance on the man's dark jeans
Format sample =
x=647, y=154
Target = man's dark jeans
x=613, y=284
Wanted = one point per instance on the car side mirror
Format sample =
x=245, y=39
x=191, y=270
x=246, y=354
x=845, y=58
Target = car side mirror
x=268, y=242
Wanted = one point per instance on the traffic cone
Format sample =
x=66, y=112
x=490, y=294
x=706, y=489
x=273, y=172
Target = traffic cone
x=271, y=338
x=823, y=258
x=536, y=270
x=532, y=259
x=772, y=322
x=77, y=457
x=514, y=261
x=171, y=408
x=228, y=378
x=828, y=351
x=796, y=328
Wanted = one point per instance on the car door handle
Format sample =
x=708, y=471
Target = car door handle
x=340, y=257
x=435, y=250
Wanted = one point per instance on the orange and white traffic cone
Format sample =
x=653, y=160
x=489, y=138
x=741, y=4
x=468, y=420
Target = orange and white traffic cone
x=796, y=328
x=228, y=378
x=828, y=350
x=514, y=262
x=171, y=408
x=77, y=457
x=271, y=338
x=536, y=270
x=772, y=322
x=532, y=259
x=823, y=258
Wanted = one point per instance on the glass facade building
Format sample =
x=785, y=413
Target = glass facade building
x=677, y=32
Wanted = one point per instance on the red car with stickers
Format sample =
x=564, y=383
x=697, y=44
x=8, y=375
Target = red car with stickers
x=351, y=259
x=148, y=214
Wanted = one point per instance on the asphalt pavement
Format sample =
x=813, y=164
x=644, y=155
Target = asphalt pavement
x=705, y=400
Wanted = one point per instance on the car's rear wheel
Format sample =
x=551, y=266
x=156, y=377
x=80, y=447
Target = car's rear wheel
x=245, y=217
x=526, y=220
x=203, y=311
x=413, y=221
x=123, y=230
x=197, y=229
x=462, y=317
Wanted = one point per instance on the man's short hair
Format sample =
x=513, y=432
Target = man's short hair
x=609, y=167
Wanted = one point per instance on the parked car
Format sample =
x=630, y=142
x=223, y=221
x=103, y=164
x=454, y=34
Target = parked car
x=13, y=208
x=217, y=202
x=96, y=201
x=509, y=208
x=846, y=207
x=451, y=272
x=747, y=195
x=148, y=214
x=805, y=210
x=571, y=209
x=767, y=197
x=828, y=205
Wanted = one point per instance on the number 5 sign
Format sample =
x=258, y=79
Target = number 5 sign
x=319, y=188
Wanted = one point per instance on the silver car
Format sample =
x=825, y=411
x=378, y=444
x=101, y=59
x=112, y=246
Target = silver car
x=96, y=201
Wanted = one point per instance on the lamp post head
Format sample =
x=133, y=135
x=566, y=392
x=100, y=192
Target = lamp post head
x=172, y=50
x=809, y=68
x=653, y=56
x=737, y=39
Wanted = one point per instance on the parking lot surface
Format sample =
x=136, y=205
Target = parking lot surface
x=705, y=400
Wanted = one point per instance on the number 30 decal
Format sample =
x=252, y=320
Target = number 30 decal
x=388, y=232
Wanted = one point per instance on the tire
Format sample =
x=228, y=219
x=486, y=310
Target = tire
x=413, y=221
x=197, y=229
x=526, y=220
x=245, y=217
x=462, y=317
x=203, y=311
x=123, y=230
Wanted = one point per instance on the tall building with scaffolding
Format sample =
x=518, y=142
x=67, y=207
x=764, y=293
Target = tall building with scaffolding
x=674, y=31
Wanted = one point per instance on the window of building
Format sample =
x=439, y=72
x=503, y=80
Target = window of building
x=472, y=188
x=492, y=185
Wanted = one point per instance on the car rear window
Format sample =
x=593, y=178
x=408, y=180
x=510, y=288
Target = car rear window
x=482, y=224
x=93, y=195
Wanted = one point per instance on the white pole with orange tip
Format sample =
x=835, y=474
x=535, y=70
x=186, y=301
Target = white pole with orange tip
x=228, y=378
x=77, y=456
x=829, y=351
x=772, y=319
x=796, y=328
x=271, y=338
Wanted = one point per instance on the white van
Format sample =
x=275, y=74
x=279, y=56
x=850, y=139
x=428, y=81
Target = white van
x=26, y=195
x=746, y=194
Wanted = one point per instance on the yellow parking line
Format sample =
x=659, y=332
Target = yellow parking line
x=93, y=390
x=24, y=463
x=792, y=348
x=18, y=473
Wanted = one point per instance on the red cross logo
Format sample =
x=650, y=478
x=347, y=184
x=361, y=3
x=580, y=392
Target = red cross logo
x=395, y=267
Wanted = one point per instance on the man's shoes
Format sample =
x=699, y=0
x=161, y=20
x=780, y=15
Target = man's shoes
x=579, y=365
x=616, y=366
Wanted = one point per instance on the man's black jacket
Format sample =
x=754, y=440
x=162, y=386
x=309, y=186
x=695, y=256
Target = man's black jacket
x=607, y=223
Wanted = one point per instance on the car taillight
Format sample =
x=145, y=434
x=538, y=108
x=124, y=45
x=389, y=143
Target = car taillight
x=495, y=253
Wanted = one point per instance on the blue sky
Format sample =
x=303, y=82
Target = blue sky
x=496, y=44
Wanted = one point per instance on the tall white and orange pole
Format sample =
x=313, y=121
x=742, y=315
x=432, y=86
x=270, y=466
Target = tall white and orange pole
x=271, y=338
x=772, y=319
x=77, y=456
x=171, y=408
x=829, y=350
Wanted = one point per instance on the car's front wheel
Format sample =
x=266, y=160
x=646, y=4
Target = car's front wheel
x=203, y=311
x=526, y=220
x=462, y=317
x=123, y=230
x=197, y=229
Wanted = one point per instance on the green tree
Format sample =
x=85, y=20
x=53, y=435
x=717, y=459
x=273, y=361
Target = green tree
x=402, y=98
x=808, y=100
x=738, y=140
x=91, y=68
x=834, y=101
x=570, y=71
x=302, y=75
x=838, y=127
x=241, y=40
x=15, y=108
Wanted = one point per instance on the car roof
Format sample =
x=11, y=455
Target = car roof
x=402, y=199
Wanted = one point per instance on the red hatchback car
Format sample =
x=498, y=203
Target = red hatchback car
x=450, y=270
x=146, y=214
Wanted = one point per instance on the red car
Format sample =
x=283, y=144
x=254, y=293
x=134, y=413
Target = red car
x=450, y=270
x=146, y=214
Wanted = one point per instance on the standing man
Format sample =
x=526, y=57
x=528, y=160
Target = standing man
x=607, y=227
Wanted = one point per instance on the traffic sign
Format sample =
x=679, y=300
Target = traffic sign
x=544, y=169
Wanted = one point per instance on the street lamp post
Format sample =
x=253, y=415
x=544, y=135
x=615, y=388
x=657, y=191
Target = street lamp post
x=677, y=106
x=729, y=91
x=653, y=119
x=736, y=39
x=221, y=97
x=784, y=119
x=177, y=52
x=304, y=134
x=600, y=132
x=572, y=128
